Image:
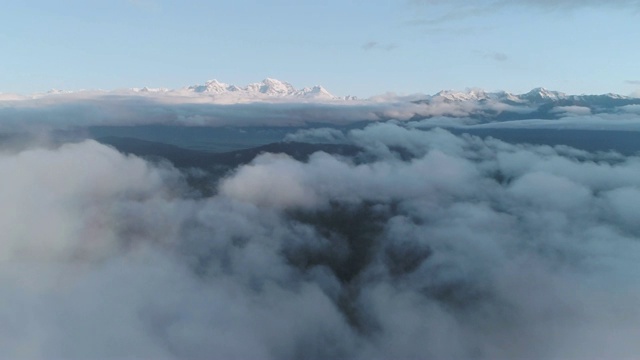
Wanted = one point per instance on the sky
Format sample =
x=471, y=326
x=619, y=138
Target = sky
x=351, y=47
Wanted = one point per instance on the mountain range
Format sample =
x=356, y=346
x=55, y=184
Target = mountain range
x=270, y=88
x=475, y=103
x=535, y=96
x=538, y=103
x=267, y=88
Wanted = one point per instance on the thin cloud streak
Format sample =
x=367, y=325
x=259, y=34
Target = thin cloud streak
x=496, y=56
x=453, y=11
x=552, y=4
x=374, y=45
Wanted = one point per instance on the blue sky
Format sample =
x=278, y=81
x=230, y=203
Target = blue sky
x=349, y=46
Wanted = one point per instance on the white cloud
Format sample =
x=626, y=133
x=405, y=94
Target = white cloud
x=427, y=244
x=574, y=121
x=274, y=181
x=572, y=110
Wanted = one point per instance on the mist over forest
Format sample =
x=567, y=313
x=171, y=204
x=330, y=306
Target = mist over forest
x=374, y=240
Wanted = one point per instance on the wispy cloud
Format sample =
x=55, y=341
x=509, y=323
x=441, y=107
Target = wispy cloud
x=445, y=12
x=453, y=30
x=464, y=10
x=498, y=56
x=374, y=45
x=493, y=55
x=633, y=82
x=369, y=45
x=550, y=4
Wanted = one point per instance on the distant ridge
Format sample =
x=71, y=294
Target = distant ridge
x=539, y=103
x=536, y=95
x=277, y=90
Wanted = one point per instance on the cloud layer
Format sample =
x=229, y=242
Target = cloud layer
x=81, y=110
x=425, y=245
x=537, y=3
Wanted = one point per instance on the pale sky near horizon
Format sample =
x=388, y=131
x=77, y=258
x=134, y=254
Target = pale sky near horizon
x=353, y=47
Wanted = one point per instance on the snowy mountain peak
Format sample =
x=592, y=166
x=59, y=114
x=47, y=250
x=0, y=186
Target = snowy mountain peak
x=316, y=92
x=542, y=94
x=147, y=89
x=275, y=82
x=469, y=94
x=268, y=87
x=211, y=86
x=271, y=86
x=536, y=95
x=615, y=96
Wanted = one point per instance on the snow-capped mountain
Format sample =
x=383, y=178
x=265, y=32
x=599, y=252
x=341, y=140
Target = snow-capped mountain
x=541, y=94
x=537, y=96
x=469, y=95
x=538, y=103
x=472, y=106
x=267, y=88
x=316, y=92
x=214, y=91
x=152, y=90
x=472, y=102
x=213, y=86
